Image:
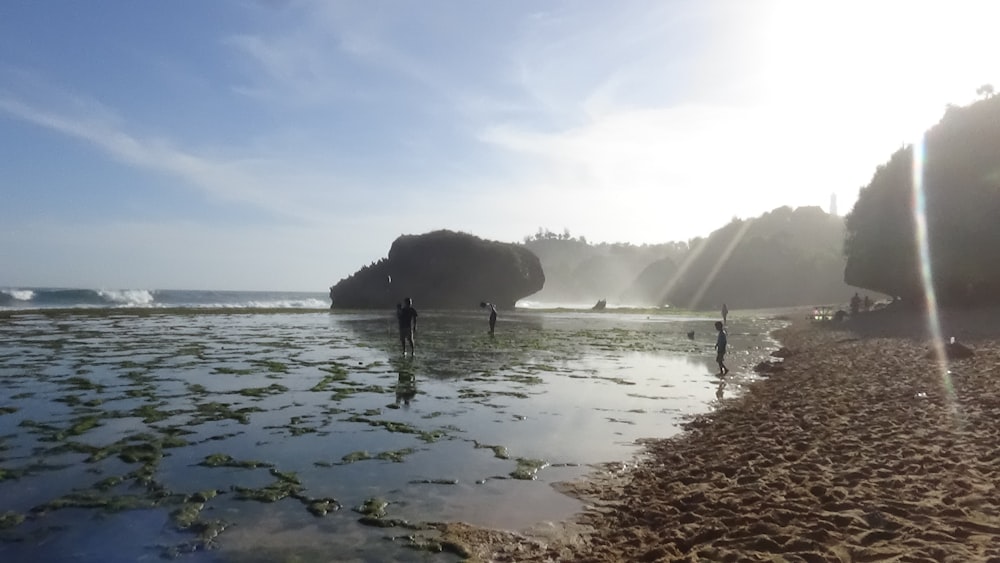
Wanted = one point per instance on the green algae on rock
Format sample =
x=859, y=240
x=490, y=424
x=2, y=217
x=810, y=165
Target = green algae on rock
x=272, y=389
x=356, y=456
x=434, y=482
x=144, y=453
x=188, y=513
x=94, y=499
x=219, y=411
x=225, y=460
x=320, y=507
x=10, y=519
x=527, y=469
x=374, y=506
x=499, y=452
x=286, y=485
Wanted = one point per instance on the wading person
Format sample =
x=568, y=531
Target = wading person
x=720, y=347
x=493, y=316
x=407, y=316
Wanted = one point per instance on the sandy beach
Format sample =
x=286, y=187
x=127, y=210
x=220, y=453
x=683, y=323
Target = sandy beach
x=862, y=448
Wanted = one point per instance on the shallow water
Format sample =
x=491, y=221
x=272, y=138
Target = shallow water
x=128, y=437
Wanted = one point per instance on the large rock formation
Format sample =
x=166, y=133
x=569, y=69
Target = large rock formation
x=443, y=270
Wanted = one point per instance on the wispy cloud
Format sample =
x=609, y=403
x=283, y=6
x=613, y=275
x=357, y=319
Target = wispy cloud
x=244, y=180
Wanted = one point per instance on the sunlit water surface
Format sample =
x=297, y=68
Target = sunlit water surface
x=116, y=427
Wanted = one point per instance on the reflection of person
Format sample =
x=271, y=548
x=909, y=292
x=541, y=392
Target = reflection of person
x=406, y=388
x=720, y=346
x=725, y=313
x=407, y=316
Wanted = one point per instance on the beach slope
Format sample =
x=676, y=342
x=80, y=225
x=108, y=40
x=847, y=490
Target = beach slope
x=863, y=448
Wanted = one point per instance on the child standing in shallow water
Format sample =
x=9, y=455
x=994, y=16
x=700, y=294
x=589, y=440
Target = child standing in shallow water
x=720, y=347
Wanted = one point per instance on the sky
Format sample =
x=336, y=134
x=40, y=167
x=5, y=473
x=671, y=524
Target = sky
x=283, y=144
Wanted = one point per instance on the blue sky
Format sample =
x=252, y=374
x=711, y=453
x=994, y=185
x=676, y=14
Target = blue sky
x=283, y=144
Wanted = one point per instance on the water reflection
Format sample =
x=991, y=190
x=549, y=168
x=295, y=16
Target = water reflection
x=720, y=390
x=406, y=388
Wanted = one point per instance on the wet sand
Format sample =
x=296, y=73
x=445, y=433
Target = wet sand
x=861, y=449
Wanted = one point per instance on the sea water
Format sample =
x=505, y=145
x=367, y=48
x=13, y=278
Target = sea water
x=115, y=425
x=20, y=298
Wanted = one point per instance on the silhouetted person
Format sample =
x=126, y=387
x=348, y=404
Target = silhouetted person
x=868, y=303
x=407, y=325
x=720, y=346
x=855, y=304
x=331, y=297
x=493, y=317
x=725, y=313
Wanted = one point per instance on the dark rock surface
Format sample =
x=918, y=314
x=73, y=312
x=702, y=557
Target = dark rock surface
x=443, y=270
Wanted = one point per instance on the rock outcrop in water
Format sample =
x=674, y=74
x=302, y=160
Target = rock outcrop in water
x=443, y=270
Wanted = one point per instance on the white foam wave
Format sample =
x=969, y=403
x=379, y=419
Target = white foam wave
x=254, y=304
x=528, y=304
x=288, y=304
x=20, y=294
x=128, y=297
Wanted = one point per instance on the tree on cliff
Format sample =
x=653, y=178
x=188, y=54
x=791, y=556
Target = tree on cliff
x=785, y=257
x=782, y=258
x=582, y=272
x=961, y=198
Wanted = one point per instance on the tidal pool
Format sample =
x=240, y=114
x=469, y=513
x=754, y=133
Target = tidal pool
x=250, y=436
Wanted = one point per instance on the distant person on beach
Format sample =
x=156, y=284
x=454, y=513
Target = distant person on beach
x=331, y=297
x=868, y=303
x=407, y=316
x=493, y=315
x=855, y=304
x=725, y=313
x=720, y=347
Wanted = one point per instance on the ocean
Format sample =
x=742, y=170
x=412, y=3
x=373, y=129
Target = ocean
x=260, y=426
x=47, y=298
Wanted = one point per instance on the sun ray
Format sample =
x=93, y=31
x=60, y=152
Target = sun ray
x=718, y=264
x=690, y=258
x=919, y=205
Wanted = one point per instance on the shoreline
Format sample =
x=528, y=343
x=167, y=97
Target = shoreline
x=860, y=449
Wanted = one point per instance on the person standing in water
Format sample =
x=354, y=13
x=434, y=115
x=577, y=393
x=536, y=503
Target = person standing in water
x=725, y=313
x=493, y=316
x=720, y=346
x=407, y=316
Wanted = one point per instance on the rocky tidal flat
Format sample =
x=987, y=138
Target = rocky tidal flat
x=251, y=436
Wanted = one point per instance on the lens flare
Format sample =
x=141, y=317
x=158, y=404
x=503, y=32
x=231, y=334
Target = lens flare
x=693, y=256
x=719, y=264
x=919, y=204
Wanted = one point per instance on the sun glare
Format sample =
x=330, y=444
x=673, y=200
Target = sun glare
x=925, y=261
x=871, y=76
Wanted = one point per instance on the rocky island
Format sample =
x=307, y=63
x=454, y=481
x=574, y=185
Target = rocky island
x=443, y=270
